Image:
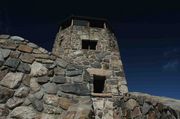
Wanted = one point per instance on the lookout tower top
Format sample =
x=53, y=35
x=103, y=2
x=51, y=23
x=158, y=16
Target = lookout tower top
x=85, y=21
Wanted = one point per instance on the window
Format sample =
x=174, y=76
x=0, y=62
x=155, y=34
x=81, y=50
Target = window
x=97, y=24
x=89, y=44
x=98, y=83
x=80, y=22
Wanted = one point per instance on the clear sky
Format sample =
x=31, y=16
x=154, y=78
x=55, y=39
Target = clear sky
x=148, y=35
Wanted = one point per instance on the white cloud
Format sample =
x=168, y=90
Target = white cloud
x=171, y=52
x=172, y=65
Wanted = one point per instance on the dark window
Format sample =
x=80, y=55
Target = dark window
x=97, y=24
x=80, y=22
x=85, y=44
x=89, y=44
x=99, y=83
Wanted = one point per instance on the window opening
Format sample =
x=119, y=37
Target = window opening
x=98, y=83
x=89, y=44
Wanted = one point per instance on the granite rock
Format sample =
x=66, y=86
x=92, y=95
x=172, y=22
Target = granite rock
x=52, y=109
x=22, y=92
x=12, y=80
x=32, y=45
x=50, y=88
x=36, y=103
x=1, y=59
x=24, y=67
x=74, y=72
x=77, y=88
x=5, y=94
x=61, y=63
x=51, y=100
x=65, y=103
x=43, y=79
x=145, y=108
x=34, y=86
x=131, y=104
x=37, y=69
x=59, y=79
x=39, y=95
x=25, y=48
x=15, y=54
x=23, y=112
x=3, y=73
x=5, y=52
x=12, y=62
x=14, y=102
x=4, y=36
x=17, y=38
x=26, y=57
x=4, y=111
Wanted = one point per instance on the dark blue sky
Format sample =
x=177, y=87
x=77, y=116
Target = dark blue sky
x=148, y=34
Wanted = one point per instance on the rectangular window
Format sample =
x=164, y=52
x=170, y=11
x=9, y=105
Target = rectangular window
x=97, y=24
x=80, y=22
x=98, y=83
x=89, y=44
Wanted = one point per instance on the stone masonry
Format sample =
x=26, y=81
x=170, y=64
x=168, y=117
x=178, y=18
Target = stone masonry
x=82, y=78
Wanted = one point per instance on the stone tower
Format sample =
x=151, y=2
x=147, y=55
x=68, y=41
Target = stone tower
x=91, y=44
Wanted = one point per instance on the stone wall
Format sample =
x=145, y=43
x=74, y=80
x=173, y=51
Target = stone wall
x=143, y=106
x=34, y=84
x=104, y=61
x=136, y=106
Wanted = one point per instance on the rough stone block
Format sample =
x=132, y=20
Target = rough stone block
x=25, y=48
x=131, y=104
x=5, y=94
x=26, y=57
x=23, y=112
x=5, y=52
x=12, y=62
x=17, y=38
x=12, y=80
x=24, y=67
x=4, y=111
x=9, y=45
x=65, y=103
x=50, y=88
x=34, y=86
x=4, y=36
x=14, y=102
x=77, y=88
x=96, y=65
x=52, y=109
x=61, y=63
x=14, y=54
x=60, y=79
x=99, y=72
x=38, y=69
x=74, y=73
x=43, y=79
x=36, y=103
x=22, y=92
x=1, y=59
x=51, y=100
